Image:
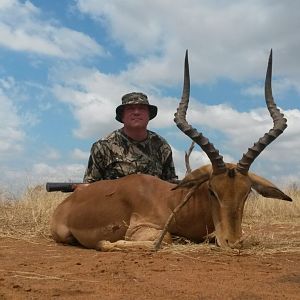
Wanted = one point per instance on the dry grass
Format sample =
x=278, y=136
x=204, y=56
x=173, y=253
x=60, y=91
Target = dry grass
x=272, y=225
x=269, y=225
x=28, y=217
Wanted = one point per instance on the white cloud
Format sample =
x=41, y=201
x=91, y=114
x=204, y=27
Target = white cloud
x=129, y=27
x=15, y=118
x=11, y=132
x=30, y=33
x=230, y=40
x=52, y=154
x=17, y=180
x=241, y=130
x=78, y=154
x=93, y=97
x=45, y=172
x=7, y=83
x=286, y=147
x=279, y=86
x=226, y=40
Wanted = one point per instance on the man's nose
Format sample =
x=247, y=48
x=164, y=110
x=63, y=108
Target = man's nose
x=136, y=110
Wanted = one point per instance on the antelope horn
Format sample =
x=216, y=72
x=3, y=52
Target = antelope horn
x=279, y=126
x=180, y=120
x=187, y=158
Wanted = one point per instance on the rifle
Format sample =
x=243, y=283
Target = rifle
x=69, y=187
x=65, y=187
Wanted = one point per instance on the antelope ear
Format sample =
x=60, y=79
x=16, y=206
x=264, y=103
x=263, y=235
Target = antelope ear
x=266, y=188
x=196, y=177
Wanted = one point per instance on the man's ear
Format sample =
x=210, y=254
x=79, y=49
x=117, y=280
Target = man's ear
x=266, y=188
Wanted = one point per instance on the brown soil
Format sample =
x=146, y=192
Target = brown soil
x=41, y=269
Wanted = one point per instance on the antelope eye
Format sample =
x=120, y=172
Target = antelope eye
x=212, y=193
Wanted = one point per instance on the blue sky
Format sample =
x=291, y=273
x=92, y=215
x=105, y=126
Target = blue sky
x=66, y=64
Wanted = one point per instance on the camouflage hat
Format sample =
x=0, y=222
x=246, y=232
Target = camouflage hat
x=135, y=98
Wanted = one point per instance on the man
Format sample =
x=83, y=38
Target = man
x=133, y=149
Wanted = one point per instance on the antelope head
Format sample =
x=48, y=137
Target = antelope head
x=228, y=185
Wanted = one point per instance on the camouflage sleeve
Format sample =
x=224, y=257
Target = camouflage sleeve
x=94, y=170
x=168, y=172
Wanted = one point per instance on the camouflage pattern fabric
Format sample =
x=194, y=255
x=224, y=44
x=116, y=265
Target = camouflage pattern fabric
x=118, y=155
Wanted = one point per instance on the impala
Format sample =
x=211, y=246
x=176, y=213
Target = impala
x=132, y=211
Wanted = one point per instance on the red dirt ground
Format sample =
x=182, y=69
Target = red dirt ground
x=42, y=269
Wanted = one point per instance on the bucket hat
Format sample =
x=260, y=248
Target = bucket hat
x=135, y=98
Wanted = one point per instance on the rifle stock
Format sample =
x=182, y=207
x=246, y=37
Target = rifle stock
x=65, y=187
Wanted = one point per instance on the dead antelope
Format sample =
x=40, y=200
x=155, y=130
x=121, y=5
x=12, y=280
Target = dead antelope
x=132, y=211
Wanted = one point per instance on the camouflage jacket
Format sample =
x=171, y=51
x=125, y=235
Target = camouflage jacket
x=117, y=155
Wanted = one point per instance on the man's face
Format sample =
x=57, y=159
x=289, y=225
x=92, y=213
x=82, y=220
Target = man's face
x=135, y=116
